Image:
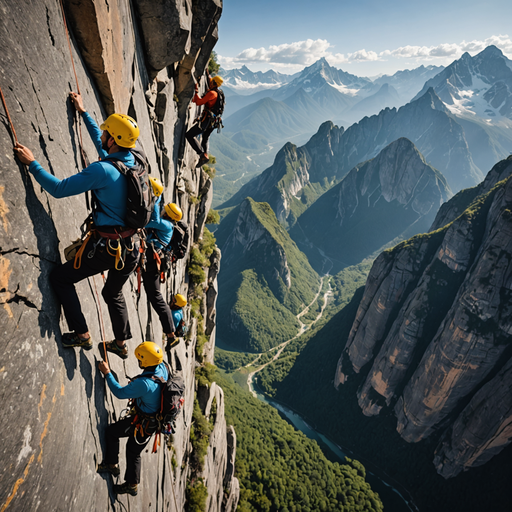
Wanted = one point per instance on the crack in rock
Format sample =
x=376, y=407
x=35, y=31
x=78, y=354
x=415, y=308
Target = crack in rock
x=7, y=297
x=16, y=250
x=49, y=28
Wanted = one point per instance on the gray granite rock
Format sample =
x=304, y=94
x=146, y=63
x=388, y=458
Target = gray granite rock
x=57, y=396
x=432, y=331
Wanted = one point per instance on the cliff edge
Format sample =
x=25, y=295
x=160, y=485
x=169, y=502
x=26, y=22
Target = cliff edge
x=138, y=58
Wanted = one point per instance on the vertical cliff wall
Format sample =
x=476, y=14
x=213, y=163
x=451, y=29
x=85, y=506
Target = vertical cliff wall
x=138, y=58
x=432, y=335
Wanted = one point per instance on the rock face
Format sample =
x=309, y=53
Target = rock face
x=55, y=401
x=433, y=328
x=396, y=194
x=450, y=210
x=297, y=177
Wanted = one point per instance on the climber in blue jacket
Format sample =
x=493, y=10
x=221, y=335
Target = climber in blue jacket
x=178, y=302
x=147, y=393
x=159, y=234
x=113, y=138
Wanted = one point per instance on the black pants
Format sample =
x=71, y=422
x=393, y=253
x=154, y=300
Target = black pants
x=114, y=432
x=206, y=129
x=64, y=277
x=151, y=280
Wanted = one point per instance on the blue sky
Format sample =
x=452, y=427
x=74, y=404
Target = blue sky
x=365, y=37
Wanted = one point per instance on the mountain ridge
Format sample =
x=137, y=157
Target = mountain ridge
x=267, y=280
x=394, y=194
x=430, y=335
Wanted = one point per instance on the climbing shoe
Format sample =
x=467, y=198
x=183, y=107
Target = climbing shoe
x=126, y=488
x=113, y=469
x=113, y=347
x=71, y=339
x=171, y=343
x=203, y=160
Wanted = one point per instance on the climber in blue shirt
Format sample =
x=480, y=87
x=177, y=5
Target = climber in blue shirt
x=159, y=234
x=178, y=302
x=147, y=394
x=113, y=139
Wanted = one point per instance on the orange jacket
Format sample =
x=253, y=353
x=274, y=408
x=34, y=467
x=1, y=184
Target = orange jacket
x=209, y=99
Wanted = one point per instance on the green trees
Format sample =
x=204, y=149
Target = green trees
x=213, y=65
x=197, y=494
x=281, y=469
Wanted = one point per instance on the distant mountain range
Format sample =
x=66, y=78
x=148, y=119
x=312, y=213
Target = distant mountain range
x=396, y=194
x=453, y=137
x=331, y=88
x=245, y=81
x=479, y=85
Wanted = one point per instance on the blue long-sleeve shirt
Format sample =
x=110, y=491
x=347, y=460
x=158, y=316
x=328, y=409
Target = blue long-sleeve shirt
x=145, y=390
x=177, y=316
x=108, y=184
x=159, y=230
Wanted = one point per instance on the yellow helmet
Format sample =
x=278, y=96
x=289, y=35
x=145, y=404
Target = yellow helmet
x=123, y=129
x=158, y=188
x=217, y=80
x=149, y=354
x=174, y=211
x=180, y=300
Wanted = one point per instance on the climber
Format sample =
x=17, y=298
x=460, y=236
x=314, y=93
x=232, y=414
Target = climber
x=159, y=233
x=140, y=425
x=178, y=302
x=109, y=187
x=210, y=119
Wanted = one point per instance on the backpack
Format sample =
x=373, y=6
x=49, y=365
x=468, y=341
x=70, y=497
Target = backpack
x=218, y=108
x=171, y=403
x=140, y=198
x=181, y=330
x=172, y=400
x=179, y=241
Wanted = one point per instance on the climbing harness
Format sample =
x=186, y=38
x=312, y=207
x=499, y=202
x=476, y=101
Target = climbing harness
x=77, y=263
x=104, y=239
x=162, y=421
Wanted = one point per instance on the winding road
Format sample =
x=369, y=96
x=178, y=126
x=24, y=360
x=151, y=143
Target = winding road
x=302, y=330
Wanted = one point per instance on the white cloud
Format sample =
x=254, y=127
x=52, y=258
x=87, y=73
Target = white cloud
x=361, y=55
x=300, y=52
x=452, y=50
x=294, y=56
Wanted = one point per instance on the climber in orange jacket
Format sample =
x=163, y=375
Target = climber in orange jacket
x=210, y=119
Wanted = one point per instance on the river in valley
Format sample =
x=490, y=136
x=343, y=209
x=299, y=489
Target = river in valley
x=393, y=496
x=393, y=499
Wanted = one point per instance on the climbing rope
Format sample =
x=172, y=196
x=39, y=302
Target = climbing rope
x=172, y=483
x=102, y=328
x=8, y=117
